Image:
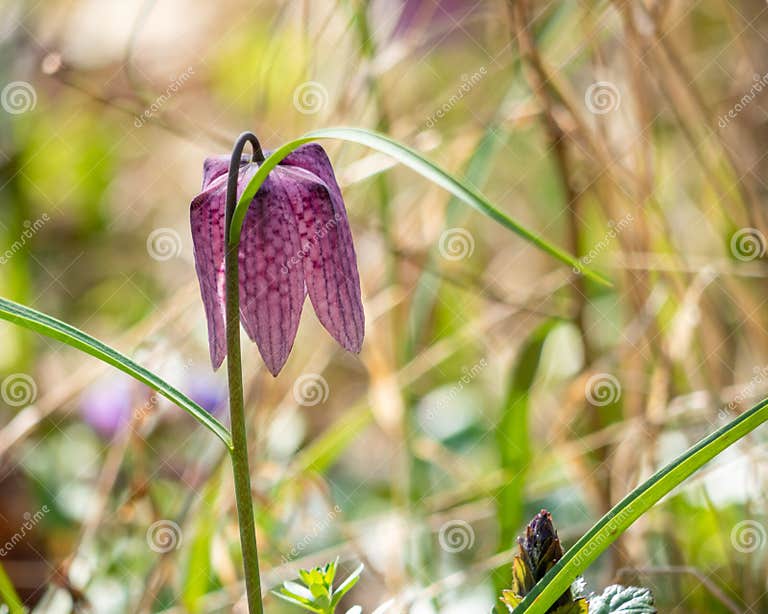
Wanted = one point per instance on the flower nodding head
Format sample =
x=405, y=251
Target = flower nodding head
x=295, y=241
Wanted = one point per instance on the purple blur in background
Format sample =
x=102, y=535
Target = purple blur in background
x=422, y=14
x=108, y=403
x=207, y=390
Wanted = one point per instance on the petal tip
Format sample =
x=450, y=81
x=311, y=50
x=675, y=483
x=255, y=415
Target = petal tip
x=217, y=358
x=274, y=364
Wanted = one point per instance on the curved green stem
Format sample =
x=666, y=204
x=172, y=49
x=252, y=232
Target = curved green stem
x=634, y=505
x=239, y=452
x=415, y=161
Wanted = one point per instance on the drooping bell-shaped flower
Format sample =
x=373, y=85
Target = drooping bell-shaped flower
x=295, y=241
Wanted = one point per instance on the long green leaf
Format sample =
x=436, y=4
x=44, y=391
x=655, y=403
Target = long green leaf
x=9, y=595
x=56, y=329
x=634, y=505
x=415, y=161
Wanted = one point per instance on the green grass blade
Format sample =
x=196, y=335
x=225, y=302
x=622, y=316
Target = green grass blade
x=634, y=505
x=319, y=455
x=198, y=568
x=8, y=594
x=56, y=329
x=415, y=161
x=513, y=442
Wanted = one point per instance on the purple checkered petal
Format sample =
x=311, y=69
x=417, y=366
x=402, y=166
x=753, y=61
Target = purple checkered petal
x=328, y=254
x=295, y=241
x=272, y=290
x=216, y=166
x=207, y=219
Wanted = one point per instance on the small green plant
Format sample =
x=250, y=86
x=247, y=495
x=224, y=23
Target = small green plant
x=315, y=593
x=539, y=551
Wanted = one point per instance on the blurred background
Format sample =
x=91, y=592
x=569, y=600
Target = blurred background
x=492, y=382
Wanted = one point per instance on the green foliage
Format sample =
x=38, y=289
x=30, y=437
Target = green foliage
x=8, y=594
x=315, y=593
x=512, y=436
x=622, y=600
x=634, y=505
x=51, y=327
x=539, y=551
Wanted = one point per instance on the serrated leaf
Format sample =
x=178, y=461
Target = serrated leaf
x=617, y=599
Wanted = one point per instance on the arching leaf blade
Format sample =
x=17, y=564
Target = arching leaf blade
x=415, y=161
x=31, y=319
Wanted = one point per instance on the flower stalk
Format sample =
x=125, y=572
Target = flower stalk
x=239, y=452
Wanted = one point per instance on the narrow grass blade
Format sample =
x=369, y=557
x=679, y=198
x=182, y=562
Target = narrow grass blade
x=319, y=455
x=8, y=594
x=56, y=329
x=634, y=505
x=198, y=568
x=513, y=442
x=415, y=161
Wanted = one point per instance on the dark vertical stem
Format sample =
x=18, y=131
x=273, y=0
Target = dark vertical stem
x=239, y=452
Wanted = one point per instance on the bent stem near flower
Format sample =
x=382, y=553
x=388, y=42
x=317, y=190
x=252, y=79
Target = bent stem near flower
x=239, y=451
